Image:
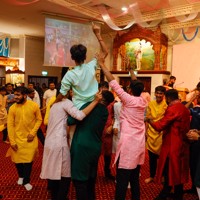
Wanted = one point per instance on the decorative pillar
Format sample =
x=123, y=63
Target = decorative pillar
x=157, y=57
x=115, y=56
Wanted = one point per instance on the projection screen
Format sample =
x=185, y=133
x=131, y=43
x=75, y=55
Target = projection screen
x=61, y=35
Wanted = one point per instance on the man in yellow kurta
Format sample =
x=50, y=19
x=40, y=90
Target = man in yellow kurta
x=155, y=110
x=3, y=113
x=24, y=119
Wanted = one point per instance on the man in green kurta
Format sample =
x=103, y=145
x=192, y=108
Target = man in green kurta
x=86, y=148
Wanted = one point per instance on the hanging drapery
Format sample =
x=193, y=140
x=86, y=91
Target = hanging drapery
x=5, y=47
x=134, y=8
x=183, y=18
x=106, y=17
x=174, y=35
x=136, y=14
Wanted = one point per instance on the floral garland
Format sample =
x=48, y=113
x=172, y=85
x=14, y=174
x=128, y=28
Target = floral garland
x=195, y=34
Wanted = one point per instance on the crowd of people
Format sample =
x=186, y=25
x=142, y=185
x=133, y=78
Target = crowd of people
x=85, y=119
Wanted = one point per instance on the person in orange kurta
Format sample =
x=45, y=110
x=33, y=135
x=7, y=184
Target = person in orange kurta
x=174, y=155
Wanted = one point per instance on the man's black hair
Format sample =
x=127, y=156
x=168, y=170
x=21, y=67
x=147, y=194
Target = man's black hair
x=160, y=88
x=3, y=88
x=198, y=85
x=137, y=87
x=78, y=53
x=108, y=96
x=21, y=89
x=103, y=84
x=172, y=94
x=172, y=77
x=30, y=90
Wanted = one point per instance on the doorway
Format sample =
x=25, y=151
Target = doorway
x=43, y=79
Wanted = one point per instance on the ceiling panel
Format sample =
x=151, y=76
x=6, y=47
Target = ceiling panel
x=17, y=19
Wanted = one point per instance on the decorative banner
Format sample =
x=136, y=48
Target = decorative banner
x=195, y=34
x=109, y=21
x=5, y=47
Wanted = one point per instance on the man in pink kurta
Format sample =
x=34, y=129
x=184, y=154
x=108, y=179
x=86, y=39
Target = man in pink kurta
x=131, y=147
x=130, y=152
x=174, y=156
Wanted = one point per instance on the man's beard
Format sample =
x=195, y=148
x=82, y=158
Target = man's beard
x=21, y=101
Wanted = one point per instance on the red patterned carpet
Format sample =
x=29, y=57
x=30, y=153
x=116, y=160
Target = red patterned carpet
x=104, y=188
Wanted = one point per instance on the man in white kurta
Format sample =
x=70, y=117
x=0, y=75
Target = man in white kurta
x=56, y=164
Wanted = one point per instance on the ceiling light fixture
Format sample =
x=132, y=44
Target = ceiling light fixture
x=124, y=8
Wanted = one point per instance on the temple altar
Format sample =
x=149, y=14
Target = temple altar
x=148, y=45
x=145, y=51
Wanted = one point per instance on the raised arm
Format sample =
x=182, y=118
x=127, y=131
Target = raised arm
x=133, y=77
x=196, y=95
x=105, y=70
x=91, y=106
x=76, y=115
x=97, y=32
x=132, y=74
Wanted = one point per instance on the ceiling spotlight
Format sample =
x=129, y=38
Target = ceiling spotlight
x=124, y=8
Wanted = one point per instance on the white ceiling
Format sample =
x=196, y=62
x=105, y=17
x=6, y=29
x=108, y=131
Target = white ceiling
x=26, y=17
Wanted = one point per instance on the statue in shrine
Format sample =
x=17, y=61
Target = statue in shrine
x=138, y=57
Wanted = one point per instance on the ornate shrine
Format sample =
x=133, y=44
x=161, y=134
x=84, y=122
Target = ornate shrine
x=157, y=43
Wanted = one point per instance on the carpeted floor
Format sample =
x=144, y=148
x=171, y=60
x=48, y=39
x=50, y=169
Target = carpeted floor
x=104, y=188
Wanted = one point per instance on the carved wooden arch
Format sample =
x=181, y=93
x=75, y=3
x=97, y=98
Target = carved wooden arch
x=157, y=39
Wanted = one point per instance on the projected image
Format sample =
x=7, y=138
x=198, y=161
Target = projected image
x=61, y=35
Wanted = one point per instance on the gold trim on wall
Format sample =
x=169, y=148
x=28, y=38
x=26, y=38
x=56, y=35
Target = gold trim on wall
x=9, y=62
